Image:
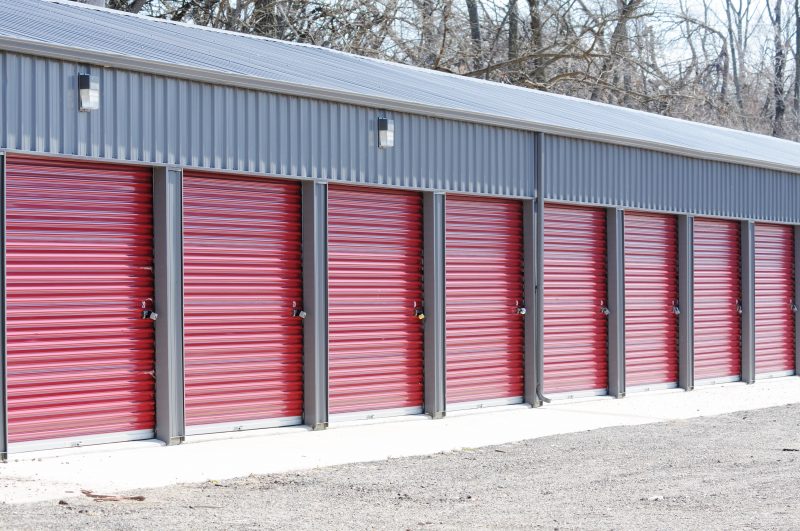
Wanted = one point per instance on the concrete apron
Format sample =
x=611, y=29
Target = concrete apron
x=112, y=468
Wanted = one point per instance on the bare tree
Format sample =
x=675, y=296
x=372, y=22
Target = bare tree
x=724, y=62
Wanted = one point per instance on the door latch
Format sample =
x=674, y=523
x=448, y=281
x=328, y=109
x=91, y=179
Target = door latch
x=147, y=310
x=604, y=309
x=521, y=310
x=419, y=313
x=676, y=309
x=793, y=306
x=739, y=309
x=297, y=312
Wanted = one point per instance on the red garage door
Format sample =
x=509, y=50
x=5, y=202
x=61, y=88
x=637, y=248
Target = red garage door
x=651, y=294
x=575, y=329
x=484, y=339
x=375, y=285
x=717, y=297
x=243, y=347
x=80, y=271
x=774, y=298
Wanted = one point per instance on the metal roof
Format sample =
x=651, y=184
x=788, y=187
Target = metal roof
x=78, y=32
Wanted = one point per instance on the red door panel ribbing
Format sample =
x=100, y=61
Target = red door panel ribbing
x=774, y=245
x=717, y=291
x=80, y=266
x=484, y=338
x=375, y=279
x=651, y=292
x=242, y=278
x=575, y=330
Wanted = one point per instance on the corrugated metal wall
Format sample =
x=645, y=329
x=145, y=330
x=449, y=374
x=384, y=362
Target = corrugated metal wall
x=154, y=119
x=591, y=172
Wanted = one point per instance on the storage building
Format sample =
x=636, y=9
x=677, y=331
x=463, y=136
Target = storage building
x=205, y=231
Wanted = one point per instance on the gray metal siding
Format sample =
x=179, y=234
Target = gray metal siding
x=153, y=119
x=581, y=171
x=73, y=32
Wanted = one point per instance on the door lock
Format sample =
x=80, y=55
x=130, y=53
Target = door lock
x=739, y=308
x=604, y=309
x=793, y=306
x=675, y=308
x=299, y=313
x=147, y=310
x=521, y=310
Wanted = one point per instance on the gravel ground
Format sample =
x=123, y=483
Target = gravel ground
x=729, y=472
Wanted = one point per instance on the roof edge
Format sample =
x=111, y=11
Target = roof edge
x=106, y=59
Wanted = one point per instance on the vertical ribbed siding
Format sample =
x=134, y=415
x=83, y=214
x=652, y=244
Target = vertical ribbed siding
x=774, y=261
x=146, y=118
x=717, y=292
x=575, y=290
x=483, y=278
x=651, y=293
x=80, y=272
x=582, y=171
x=242, y=279
x=375, y=283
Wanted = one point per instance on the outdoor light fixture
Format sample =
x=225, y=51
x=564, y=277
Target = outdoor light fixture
x=385, y=133
x=88, y=92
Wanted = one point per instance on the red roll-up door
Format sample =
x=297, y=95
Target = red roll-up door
x=375, y=282
x=242, y=280
x=575, y=329
x=774, y=246
x=484, y=338
x=651, y=295
x=717, y=295
x=80, y=260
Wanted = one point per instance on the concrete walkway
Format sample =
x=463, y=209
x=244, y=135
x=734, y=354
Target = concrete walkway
x=111, y=468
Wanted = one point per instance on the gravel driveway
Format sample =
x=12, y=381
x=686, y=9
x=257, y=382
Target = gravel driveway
x=730, y=472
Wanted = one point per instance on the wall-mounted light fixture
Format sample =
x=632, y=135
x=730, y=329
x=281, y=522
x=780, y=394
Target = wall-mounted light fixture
x=385, y=133
x=88, y=92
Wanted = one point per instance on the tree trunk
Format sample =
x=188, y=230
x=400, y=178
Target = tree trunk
x=537, y=70
x=617, y=45
x=796, y=102
x=475, y=33
x=779, y=66
x=513, y=29
x=427, y=53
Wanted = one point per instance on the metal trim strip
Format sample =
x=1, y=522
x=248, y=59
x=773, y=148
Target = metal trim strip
x=776, y=374
x=651, y=387
x=3, y=331
x=375, y=414
x=245, y=425
x=480, y=404
x=716, y=381
x=75, y=442
x=577, y=394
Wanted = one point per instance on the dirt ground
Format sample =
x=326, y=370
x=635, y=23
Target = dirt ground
x=734, y=471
